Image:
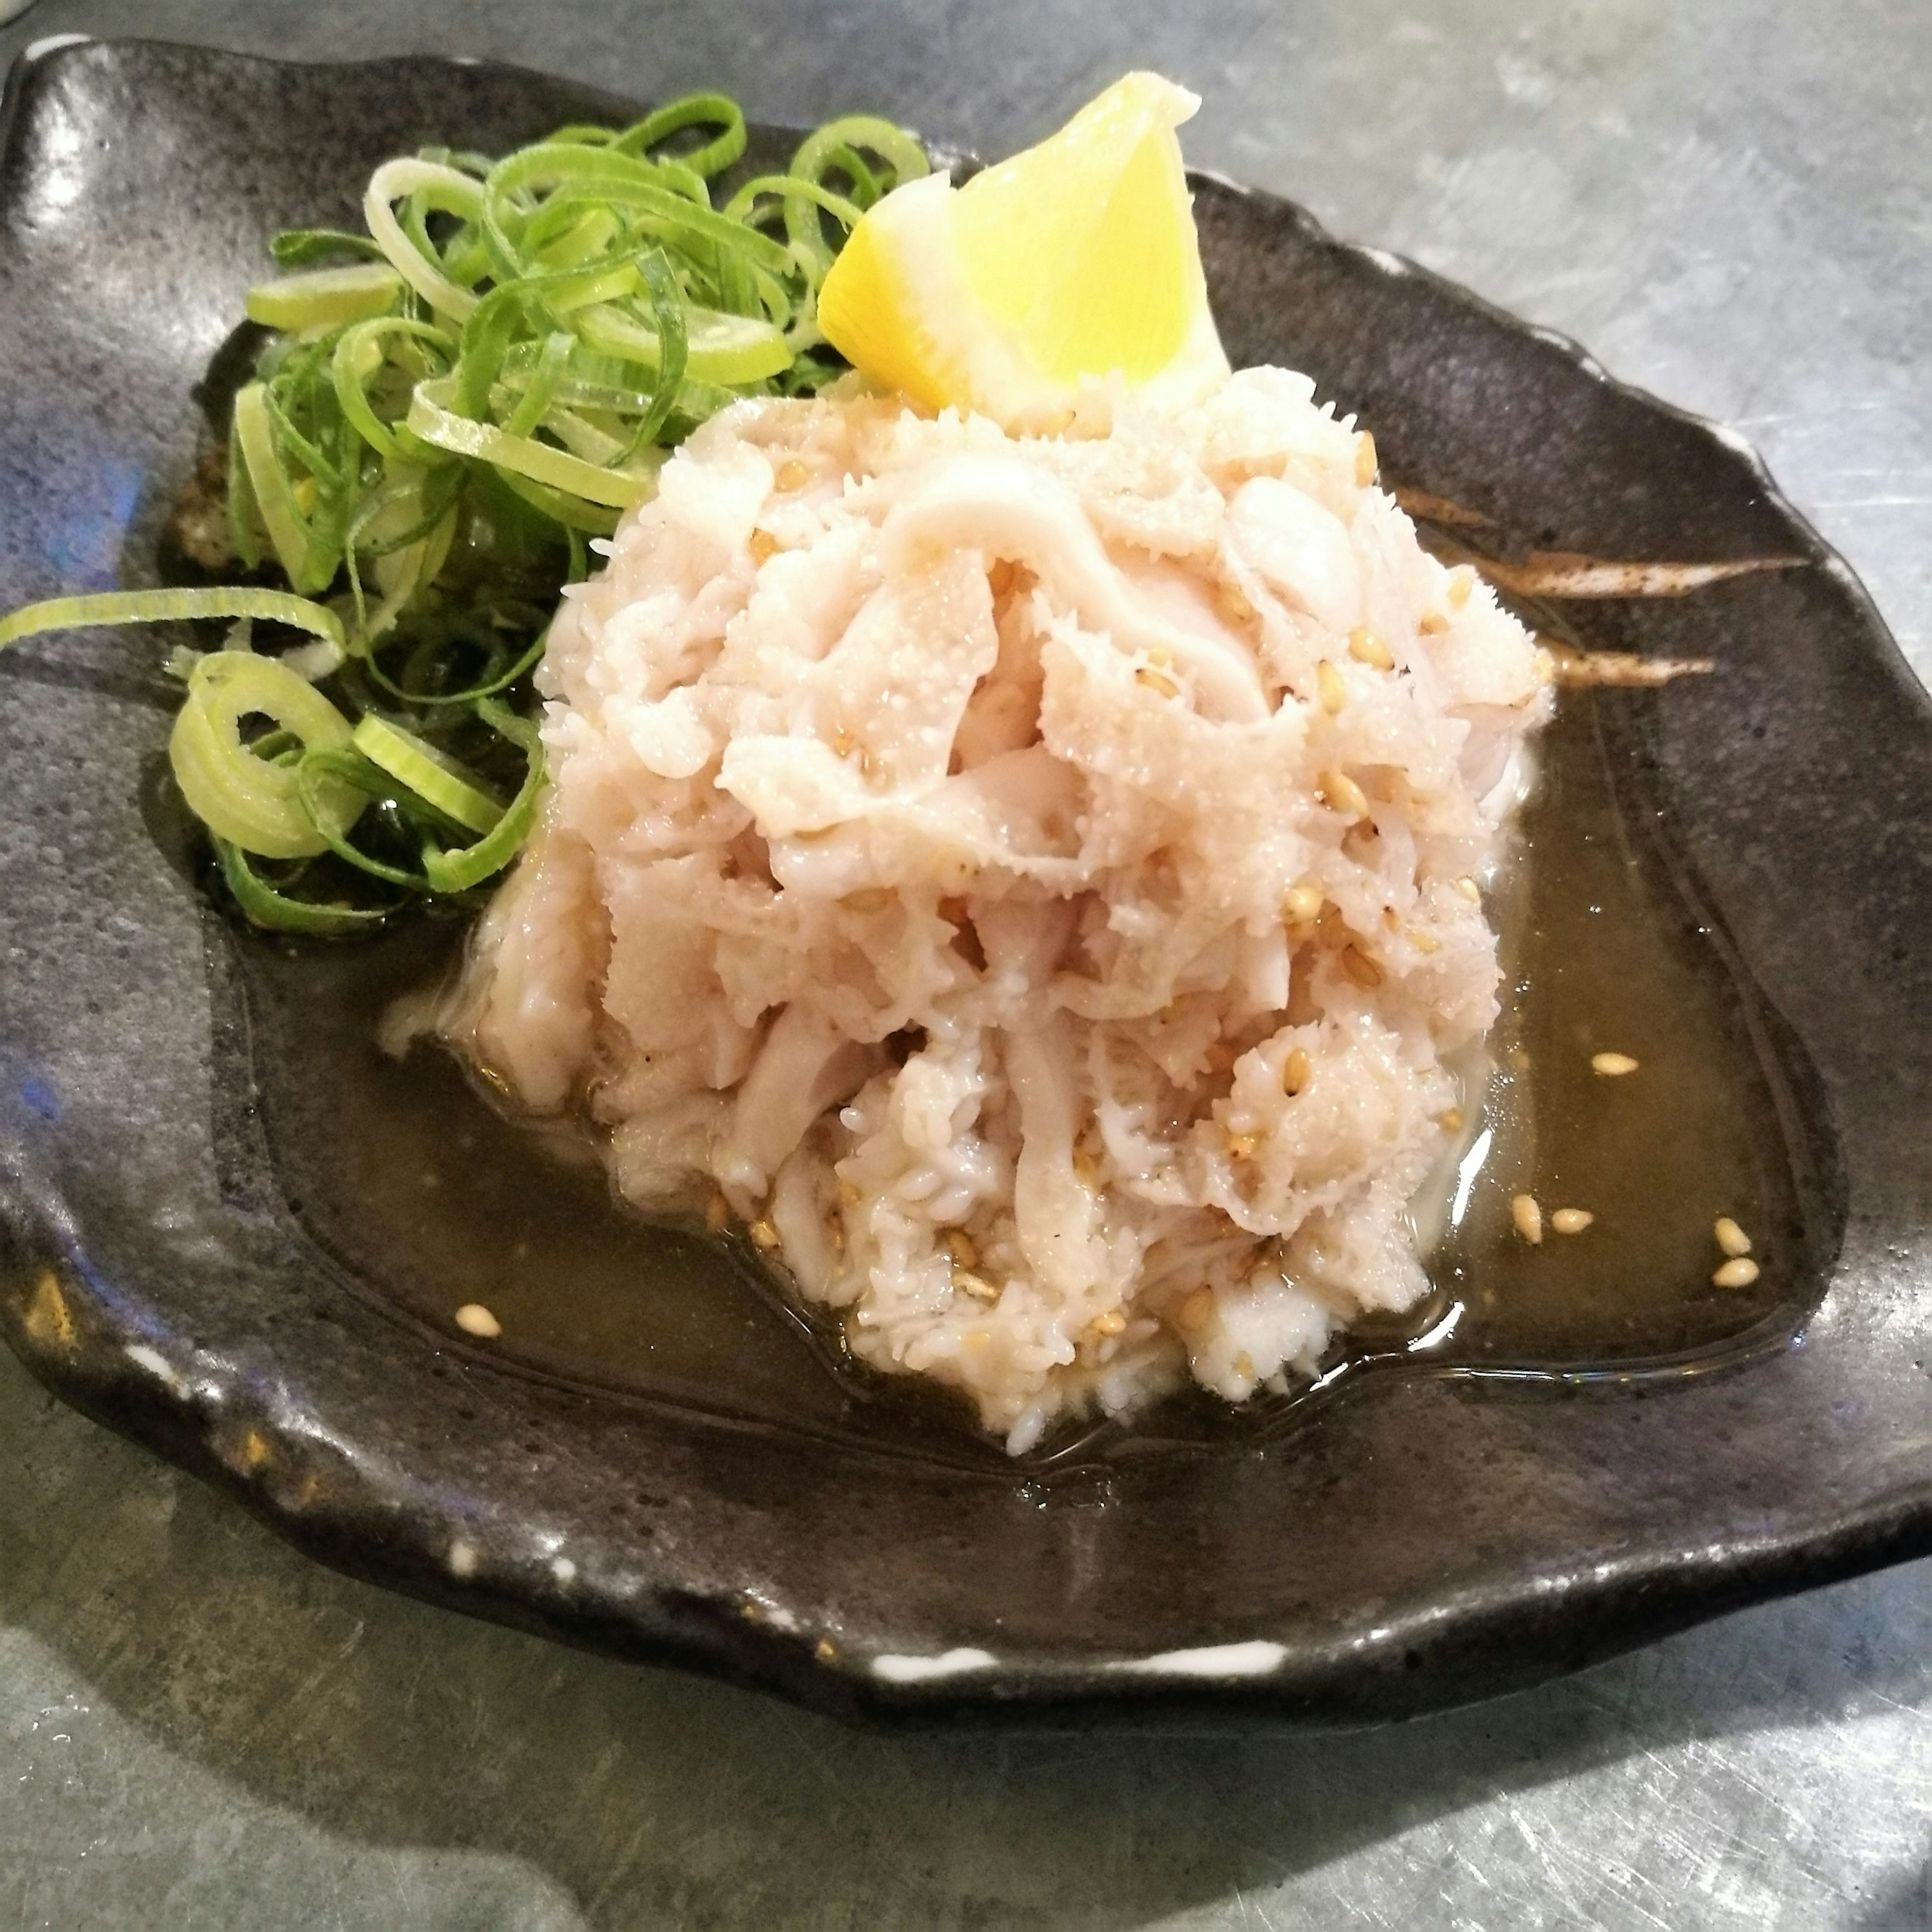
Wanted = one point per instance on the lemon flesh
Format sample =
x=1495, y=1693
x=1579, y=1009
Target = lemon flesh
x=1077, y=259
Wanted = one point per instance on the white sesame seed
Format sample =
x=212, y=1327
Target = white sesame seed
x=1300, y=903
x=1527, y=1217
x=1731, y=1237
x=1341, y=793
x=1612, y=1065
x=1739, y=1274
x=1571, y=1220
x=1365, y=647
x=473, y=1318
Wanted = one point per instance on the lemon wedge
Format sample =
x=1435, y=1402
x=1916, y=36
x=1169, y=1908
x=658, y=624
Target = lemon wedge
x=1074, y=260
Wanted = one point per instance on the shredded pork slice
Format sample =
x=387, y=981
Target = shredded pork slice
x=953, y=838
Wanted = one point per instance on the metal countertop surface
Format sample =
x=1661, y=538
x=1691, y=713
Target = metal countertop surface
x=1729, y=202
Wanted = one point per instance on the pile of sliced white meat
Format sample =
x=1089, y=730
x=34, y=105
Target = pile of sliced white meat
x=1035, y=883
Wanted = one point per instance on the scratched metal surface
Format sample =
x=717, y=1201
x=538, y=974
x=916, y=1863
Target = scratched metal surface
x=1728, y=201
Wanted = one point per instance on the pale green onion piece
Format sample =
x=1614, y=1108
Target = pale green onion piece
x=265, y=906
x=430, y=418
x=694, y=110
x=318, y=768
x=294, y=546
x=157, y=607
x=457, y=871
x=238, y=795
x=457, y=194
x=324, y=298
x=358, y=354
x=729, y=349
x=448, y=785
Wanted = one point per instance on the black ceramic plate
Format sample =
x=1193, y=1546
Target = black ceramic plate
x=193, y=1126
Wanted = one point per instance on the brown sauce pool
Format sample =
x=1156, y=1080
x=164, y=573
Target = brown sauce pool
x=431, y=1199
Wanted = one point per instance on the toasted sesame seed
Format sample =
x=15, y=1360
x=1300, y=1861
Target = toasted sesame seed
x=1612, y=1065
x=1433, y=623
x=1234, y=603
x=1157, y=681
x=1461, y=581
x=1295, y=1072
x=717, y=1213
x=1424, y=942
x=1301, y=903
x=1360, y=968
x=1740, y=1273
x=764, y=1233
x=1450, y=1119
x=977, y=1286
x=1731, y=1237
x=473, y=1318
x=792, y=474
x=1527, y=1217
x=1196, y=1312
x=1111, y=1323
x=1341, y=793
x=1241, y=1147
x=1366, y=465
x=1244, y=1365
x=1328, y=685
x=1159, y=655
x=1365, y=647
x=959, y=1245
x=764, y=546
x=1470, y=890
x=1571, y=1220
x=825, y=1650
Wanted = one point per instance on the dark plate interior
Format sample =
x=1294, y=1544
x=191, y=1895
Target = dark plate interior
x=192, y=1122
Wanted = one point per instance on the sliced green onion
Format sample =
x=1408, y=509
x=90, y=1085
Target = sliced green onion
x=240, y=796
x=446, y=409
x=724, y=349
x=457, y=871
x=156, y=607
x=301, y=555
x=297, y=247
x=431, y=418
x=694, y=110
x=324, y=297
x=445, y=188
x=446, y=782
x=265, y=906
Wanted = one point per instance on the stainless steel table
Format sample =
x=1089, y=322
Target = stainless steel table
x=1731, y=202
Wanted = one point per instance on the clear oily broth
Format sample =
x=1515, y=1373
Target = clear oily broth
x=433, y=1199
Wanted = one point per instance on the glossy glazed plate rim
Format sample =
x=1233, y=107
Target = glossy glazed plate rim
x=141, y=1400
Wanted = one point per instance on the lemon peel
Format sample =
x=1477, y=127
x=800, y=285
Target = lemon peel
x=1076, y=261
